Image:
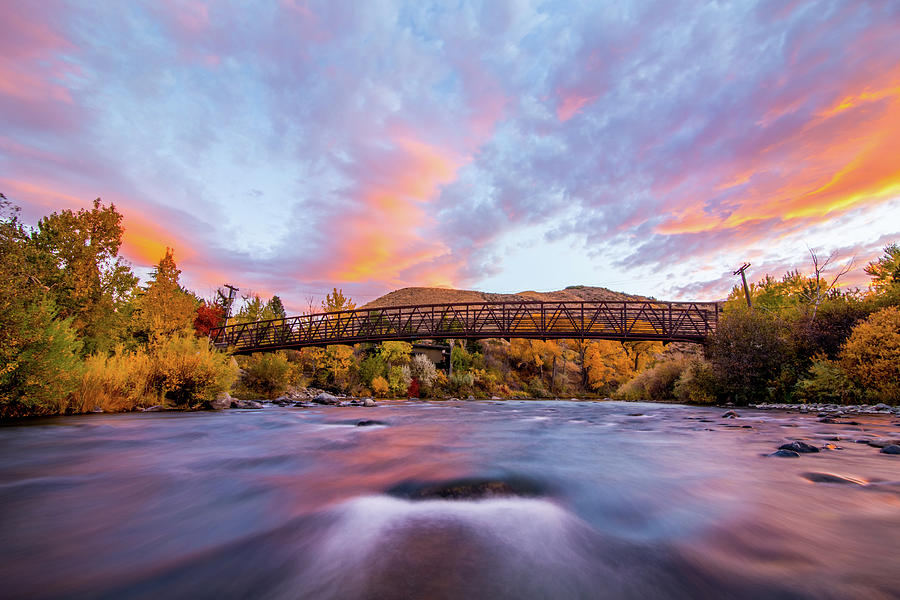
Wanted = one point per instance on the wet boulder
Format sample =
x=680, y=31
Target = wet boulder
x=326, y=398
x=222, y=401
x=730, y=415
x=247, y=404
x=785, y=454
x=798, y=446
x=368, y=402
x=892, y=449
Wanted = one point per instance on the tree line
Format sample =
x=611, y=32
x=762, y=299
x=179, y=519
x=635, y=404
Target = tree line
x=79, y=333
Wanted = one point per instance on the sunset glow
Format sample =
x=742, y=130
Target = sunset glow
x=299, y=146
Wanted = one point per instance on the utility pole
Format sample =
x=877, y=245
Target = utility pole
x=232, y=292
x=744, y=280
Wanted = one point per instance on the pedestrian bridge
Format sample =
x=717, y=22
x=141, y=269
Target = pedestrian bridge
x=605, y=320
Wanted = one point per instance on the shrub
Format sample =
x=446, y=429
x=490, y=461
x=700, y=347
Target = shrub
x=424, y=370
x=461, y=383
x=267, y=373
x=115, y=383
x=380, y=386
x=535, y=388
x=656, y=383
x=189, y=371
x=828, y=382
x=399, y=380
x=871, y=355
x=40, y=365
x=697, y=383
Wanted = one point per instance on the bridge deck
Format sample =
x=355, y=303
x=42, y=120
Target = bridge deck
x=613, y=320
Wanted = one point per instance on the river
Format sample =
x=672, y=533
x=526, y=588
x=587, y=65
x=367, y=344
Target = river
x=571, y=500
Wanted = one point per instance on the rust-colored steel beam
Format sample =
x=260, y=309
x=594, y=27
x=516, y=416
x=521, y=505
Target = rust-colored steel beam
x=613, y=320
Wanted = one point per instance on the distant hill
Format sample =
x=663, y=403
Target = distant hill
x=429, y=295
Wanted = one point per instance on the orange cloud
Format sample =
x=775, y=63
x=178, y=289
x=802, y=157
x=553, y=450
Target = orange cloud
x=844, y=158
x=144, y=241
x=385, y=236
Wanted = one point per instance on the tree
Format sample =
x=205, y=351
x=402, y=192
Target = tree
x=394, y=353
x=606, y=365
x=885, y=271
x=208, y=317
x=747, y=352
x=422, y=369
x=164, y=309
x=335, y=302
x=871, y=355
x=276, y=308
x=39, y=363
x=77, y=261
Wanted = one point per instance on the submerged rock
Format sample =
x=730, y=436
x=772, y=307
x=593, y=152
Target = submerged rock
x=467, y=489
x=883, y=442
x=892, y=449
x=369, y=423
x=785, y=454
x=798, y=446
x=829, y=478
x=730, y=415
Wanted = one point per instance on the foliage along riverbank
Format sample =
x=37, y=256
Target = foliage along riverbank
x=78, y=333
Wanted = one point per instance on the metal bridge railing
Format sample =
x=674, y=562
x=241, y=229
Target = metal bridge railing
x=614, y=320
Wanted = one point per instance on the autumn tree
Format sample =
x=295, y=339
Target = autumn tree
x=885, y=271
x=336, y=301
x=871, y=355
x=77, y=261
x=394, y=353
x=164, y=309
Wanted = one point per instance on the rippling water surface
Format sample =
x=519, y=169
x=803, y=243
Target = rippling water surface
x=598, y=500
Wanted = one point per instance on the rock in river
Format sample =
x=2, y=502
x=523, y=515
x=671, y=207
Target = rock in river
x=246, y=404
x=798, y=446
x=892, y=449
x=326, y=398
x=785, y=454
x=730, y=415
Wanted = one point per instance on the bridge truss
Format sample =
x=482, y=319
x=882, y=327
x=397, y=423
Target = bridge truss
x=612, y=320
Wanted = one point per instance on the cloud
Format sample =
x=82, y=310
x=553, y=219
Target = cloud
x=295, y=146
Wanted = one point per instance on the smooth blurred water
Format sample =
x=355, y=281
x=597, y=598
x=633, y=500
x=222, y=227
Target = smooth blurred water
x=628, y=501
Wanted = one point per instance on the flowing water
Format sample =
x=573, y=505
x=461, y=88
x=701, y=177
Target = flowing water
x=448, y=500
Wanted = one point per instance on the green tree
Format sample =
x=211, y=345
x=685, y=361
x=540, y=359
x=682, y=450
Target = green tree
x=276, y=307
x=747, y=352
x=77, y=262
x=885, y=271
x=39, y=363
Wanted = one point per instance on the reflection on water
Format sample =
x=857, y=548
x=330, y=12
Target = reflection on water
x=619, y=501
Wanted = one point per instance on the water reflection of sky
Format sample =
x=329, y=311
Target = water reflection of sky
x=118, y=504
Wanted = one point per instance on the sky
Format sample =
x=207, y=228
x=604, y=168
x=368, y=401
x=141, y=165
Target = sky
x=289, y=147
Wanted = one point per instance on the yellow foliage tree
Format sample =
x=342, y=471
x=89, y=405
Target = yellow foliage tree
x=606, y=364
x=164, y=309
x=337, y=361
x=871, y=354
x=380, y=386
